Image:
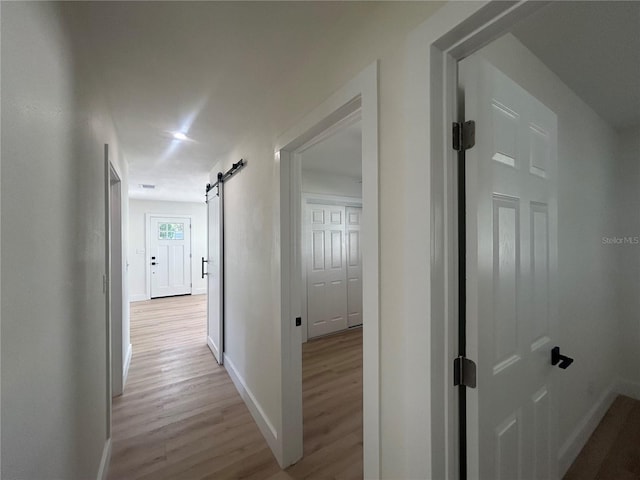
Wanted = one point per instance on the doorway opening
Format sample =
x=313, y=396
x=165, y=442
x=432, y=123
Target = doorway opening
x=357, y=99
x=114, y=281
x=452, y=35
x=549, y=185
x=331, y=295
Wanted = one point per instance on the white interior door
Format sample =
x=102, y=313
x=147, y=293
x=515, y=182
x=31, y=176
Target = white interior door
x=215, y=324
x=326, y=270
x=511, y=276
x=354, y=266
x=170, y=249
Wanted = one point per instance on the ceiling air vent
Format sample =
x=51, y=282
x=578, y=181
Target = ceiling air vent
x=147, y=186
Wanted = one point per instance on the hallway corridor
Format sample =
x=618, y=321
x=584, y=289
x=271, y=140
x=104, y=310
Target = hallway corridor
x=180, y=416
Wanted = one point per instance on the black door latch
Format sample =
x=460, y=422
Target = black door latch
x=561, y=360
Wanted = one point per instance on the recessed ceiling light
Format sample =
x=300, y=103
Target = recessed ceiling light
x=180, y=136
x=147, y=186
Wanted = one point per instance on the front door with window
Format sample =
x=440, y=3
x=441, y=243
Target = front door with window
x=170, y=256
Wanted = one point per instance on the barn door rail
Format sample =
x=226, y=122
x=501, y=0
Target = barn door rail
x=223, y=177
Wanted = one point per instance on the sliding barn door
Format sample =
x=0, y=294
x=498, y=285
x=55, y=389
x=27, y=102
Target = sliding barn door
x=512, y=255
x=215, y=312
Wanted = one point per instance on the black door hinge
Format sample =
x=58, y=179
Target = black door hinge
x=464, y=372
x=464, y=135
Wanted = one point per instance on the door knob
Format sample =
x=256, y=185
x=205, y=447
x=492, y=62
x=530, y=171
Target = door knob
x=561, y=360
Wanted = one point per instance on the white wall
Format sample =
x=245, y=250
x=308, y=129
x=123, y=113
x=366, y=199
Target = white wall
x=252, y=206
x=587, y=211
x=330, y=184
x=138, y=257
x=628, y=253
x=54, y=359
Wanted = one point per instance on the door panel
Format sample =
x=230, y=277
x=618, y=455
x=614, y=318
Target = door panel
x=170, y=248
x=511, y=219
x=326, y=271
x=215, y=321
x=354, y=266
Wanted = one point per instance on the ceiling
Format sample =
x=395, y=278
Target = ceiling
x=212, y=70
x=207, y=69
x=594, y=47
x=339, y=154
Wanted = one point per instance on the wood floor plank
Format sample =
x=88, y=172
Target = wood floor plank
x=181, y=418
x=613, y=450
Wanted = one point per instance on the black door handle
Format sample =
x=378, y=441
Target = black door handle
x=561, y=360
x=202, y=270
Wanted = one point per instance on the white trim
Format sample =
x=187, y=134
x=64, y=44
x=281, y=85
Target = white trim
x=199, y=291
x=127, y=364
x=138, y=297
x=103, y=469
x=359, y=93
x=331, y=199
x=340, y=125
x=147, y=243
x=258, y=414
x=570, y=449
x=213, y=347
x=628, y=388
x=576, y=441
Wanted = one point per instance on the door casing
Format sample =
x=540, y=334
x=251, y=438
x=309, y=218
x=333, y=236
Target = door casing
x=113, y=283
x=359, y=93
x=455, y=31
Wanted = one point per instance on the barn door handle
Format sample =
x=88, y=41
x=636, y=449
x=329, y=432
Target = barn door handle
x=203, y=262
x=561, y=360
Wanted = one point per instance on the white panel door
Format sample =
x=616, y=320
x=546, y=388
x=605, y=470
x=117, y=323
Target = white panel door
x=511, y=276
x=326, y=270
x=354, y=266
x=215, y=323
x=170, y=248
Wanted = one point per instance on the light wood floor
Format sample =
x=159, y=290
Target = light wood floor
x=181, y=417
x=613, y=451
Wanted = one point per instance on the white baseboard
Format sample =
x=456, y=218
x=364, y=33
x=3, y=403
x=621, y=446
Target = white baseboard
x=199, y=291
x=138, y=297
x=127, y=364
x=628, y=388
x=266, y=427
x=578, y=438
x=212, y=347
x=104, y=461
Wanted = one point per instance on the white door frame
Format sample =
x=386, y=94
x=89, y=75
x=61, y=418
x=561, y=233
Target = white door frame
x=147, y=239
x=114, y=277
x=451, y=34
x=359, y=93
x=310, y=199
